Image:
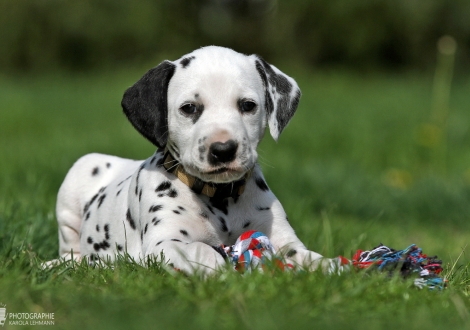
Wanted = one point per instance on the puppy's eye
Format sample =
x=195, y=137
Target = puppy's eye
x=247, y=106
x=189, y=109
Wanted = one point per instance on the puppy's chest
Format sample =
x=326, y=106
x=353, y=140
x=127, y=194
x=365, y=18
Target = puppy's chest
x=166, y=202
x=229, y=218
x=207, y=220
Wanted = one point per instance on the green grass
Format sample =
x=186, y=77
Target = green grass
x=351, y=170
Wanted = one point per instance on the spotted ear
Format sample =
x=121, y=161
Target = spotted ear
x=145, y=103
x=282, y=96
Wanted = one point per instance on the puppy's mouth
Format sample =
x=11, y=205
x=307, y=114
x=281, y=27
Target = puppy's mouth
x=222, y=174
x=221, y=170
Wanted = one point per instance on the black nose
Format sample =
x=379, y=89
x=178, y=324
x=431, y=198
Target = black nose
x=222, y=152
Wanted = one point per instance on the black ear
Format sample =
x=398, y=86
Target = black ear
x=282, y=96
x=145, y=103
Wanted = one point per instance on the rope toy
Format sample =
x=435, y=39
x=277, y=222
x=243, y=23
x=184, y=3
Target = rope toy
x=254, y=251
x=409, y=262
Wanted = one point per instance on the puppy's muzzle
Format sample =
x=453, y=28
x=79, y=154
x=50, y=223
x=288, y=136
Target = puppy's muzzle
x=222, y=152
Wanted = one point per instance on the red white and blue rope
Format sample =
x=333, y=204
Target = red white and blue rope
x=408, y=262
x=254, y=251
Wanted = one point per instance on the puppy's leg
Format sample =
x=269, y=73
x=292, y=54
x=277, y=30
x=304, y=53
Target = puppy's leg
x=286, y=242
x=69, y=237
x=69, y=221
x=69, y=216
x=191, y=258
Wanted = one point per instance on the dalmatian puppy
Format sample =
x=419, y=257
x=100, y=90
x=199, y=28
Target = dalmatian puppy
x=206, y=112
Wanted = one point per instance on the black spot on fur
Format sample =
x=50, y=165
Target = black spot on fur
x=246, y=224
x=98, y=228
x=117, y=194
x=87, y=216
x=146, y=227
x=155, y=208
x=161, y=160
x=129, y=219
x=90, y=240
x=92, y=200
x=159, y=243
x=155, y=221
x=283, y=103
x=101, y=199
x=140, y=195
x=106, y=231
x=291, y=253
x=278, y=81
x=172, y=193
x=176, y=211
x=120, y=183
x=210, y=209
x=221, y=251
x=165, y=185
x=259, y=208
x=181, y=208
x=96, y=246
x=119, y=247
x=138, y=176
x=95, y=171
x=268, y=100
x=108, y=165
x=186, y=61
x=224, y=224
x=220, y=204
x=175, y=240
x=261, y=184
x=184, y=232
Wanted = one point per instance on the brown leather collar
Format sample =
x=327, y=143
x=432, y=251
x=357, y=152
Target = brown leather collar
x=214, y=190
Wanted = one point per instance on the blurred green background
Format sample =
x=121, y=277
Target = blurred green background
x=382, y=131
x=378, y=151
x=363, y=34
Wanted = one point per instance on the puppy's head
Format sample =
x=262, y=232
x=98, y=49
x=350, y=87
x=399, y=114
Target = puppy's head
x=211, y=108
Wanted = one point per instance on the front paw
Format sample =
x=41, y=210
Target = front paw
x=338, y=265
x=193, y=258
x=312, y=261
